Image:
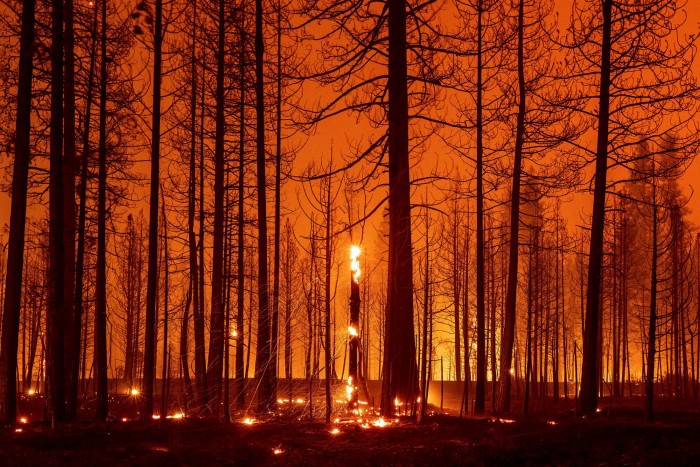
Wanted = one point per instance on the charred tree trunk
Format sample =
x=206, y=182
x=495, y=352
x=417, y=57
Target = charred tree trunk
x=101, y=279
x=55, y=318
x=480, y=396
x=588, y=399
x=72, y=322
x=266, y=397
x=149, y=358
x=240, y=265
x=216, y=340
x=18, y=213
x=399, y=370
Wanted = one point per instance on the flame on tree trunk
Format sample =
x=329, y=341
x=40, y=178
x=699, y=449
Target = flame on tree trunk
x=353, y=327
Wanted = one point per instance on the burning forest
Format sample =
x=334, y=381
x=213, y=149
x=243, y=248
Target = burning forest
x=349, y=232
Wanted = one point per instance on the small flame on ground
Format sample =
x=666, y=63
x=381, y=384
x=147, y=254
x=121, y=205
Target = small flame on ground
x=300, y=401
x=31, y=392
x=156, y=417
x=512, y=371
x=18, y=430
x=23, y=420
x=177, y=416
x=506, y=420
x=125, y=419
x=551, y=422
x=249, y=421
x=380, y=423
x=277, y=451
x=134, y=392
x=335, y=431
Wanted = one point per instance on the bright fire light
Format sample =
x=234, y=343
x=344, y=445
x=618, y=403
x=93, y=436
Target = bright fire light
x=18, y=430
x=176, y=416
x=31, y=392
x=335, y=431
x=234, y=333
x=380, y=423
x=277, y=451
x=352, y=331
x=396, y=402
x=355, y=262
x=512, y=371
x=134, y=392
x=156, y=417
x=249, y=421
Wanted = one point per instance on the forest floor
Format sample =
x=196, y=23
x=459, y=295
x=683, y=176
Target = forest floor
x=614, y=437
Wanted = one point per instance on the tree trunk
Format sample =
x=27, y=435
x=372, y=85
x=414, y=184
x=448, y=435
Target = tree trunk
x=101, y=279
x=72, y=322
x=216, y=339
x=55, y=318
x=18, y=213
x=149, y=358
x=240, y=264
x=399, y=370
x=266, y=398
x=590, y=367
x=480, y=397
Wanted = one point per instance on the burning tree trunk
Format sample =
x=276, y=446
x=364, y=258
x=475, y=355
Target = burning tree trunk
x=353, y=328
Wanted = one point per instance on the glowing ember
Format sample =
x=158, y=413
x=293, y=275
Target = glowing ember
x=418, y=400
x=355, y=262
x=380, y=423
x=277, y=451
x=177, y=416
x=23, y=420
x=18, y=430
x=512, y=371
x=249, y=421
x=156, y=417
x=352, y=331
x=335, y=431
x=134, y=392
x=300, y=401
x=234, y=333
x=125, y=419
x=396, y=402
x=551, y=422
x=31, y=392
x=506, y=420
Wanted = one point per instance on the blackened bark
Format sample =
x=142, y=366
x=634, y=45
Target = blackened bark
x=101, y=279
x=480, y=396
x=399, y=371
x=266, y=398
x=55, y=317
x=72, y=323
x=588, y=399
x=149, y=358
x=514, y=241
x=216, y=339
x=18, y=213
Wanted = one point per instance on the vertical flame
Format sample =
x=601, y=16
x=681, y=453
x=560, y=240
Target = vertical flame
x=355, y=262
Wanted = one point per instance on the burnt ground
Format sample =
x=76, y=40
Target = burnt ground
x=615, y=437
